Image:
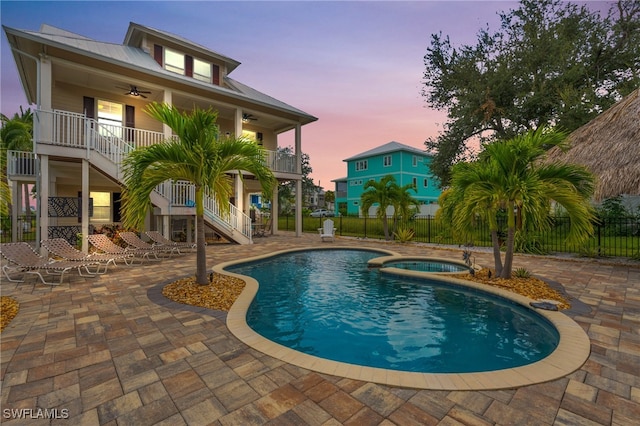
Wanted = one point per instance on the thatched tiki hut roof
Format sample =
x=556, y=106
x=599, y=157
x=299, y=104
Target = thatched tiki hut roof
x=609, y=146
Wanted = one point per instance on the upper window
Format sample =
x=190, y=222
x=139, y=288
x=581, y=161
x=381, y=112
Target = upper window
x=201, y=70
x=386, y=161
x=415, y=161
x=362, y=165
x=174, y=61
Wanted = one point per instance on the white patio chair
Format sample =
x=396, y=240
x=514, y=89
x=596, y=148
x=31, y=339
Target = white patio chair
x=327, y=232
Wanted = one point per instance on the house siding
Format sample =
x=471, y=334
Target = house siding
x=402, y=168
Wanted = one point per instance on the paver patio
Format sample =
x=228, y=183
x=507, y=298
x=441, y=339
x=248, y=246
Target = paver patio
x=112, y=350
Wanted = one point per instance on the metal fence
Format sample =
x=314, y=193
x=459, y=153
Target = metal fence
x=613, y=237
x=26, y=229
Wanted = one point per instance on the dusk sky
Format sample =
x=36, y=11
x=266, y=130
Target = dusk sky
x=356, y=65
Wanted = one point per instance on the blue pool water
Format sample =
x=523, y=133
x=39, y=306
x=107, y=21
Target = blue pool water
x=427, y=265
x=328, y=303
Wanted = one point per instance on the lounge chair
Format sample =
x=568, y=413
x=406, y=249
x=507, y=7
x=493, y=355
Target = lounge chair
x=327, y=231
x=61, y=248
x=135, y=243
x=160, y=240
x=105, y=245
x=28, y=261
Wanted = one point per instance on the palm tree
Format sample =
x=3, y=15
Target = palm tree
x=405, y=204
x=384, y=194
x=199, y=155
x=511, y=177
x=16, y=134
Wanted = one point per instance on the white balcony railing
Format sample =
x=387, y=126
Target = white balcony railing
x=21, y=163
x=75, y=130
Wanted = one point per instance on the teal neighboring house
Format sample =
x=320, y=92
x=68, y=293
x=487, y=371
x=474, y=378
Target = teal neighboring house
x=407, y=164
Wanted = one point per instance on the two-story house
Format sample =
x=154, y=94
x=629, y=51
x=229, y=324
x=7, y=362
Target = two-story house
x=408, y=165
x=89, y=101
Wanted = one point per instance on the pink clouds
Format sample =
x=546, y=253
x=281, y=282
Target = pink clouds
x=357, y=66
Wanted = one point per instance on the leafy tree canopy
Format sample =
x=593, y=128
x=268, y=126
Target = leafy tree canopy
x=551, y=63
x=287, y=189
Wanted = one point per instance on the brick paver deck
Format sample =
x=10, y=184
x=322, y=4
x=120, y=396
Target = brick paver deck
x=112, y=351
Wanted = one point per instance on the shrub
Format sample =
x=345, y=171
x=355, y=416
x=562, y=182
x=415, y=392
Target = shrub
x=522, y=273
x=404, y=235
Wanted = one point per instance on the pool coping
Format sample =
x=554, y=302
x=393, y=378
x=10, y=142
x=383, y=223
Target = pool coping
x=571, y=353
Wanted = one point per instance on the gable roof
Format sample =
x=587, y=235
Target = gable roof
x=392, y=146
x=136, y=32
x=609, y=147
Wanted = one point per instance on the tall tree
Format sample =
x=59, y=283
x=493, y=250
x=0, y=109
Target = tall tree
x=405, y=205
x=286, y=190
x=551, y=63
x=16, y=134
x=199, y=155
x=383, y=194
x=511, y=178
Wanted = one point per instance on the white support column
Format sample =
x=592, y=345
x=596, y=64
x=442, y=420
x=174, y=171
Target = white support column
x=166, y=226
x=274, y=210
x=167, y=99
x=298, y=207
x=44, y=197
x=166, y=130
x=190, y=226
x=43, y=125
x=239, y=188
x=85, y=206
x=239, y=191
x=298, y=143
x=46, y=83
x=15, y=209
x=237, y=124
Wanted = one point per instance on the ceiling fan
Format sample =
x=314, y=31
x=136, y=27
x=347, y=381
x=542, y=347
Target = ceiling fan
x=133, y=91
x=248, y=117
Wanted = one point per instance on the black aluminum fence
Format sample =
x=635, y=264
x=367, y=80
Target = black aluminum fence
x=26, y=229
x=613, y=237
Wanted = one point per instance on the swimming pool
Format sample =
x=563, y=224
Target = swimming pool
x=410, y=300
x=328, y=303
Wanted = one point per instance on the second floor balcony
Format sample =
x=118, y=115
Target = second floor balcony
x=75, y=135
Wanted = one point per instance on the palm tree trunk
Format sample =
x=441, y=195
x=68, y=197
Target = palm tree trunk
x=201, y=253
x=508, y=257
x=497, y=257
x=511, y=232
x=385, y=227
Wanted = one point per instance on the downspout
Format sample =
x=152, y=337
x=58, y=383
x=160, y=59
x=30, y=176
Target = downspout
x=37, y=160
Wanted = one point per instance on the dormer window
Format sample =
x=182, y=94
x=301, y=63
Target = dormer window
x=182, y=64
x=201, y=70
x=173, y=61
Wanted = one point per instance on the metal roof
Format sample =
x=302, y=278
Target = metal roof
x=392, y=146
x=137, y=58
